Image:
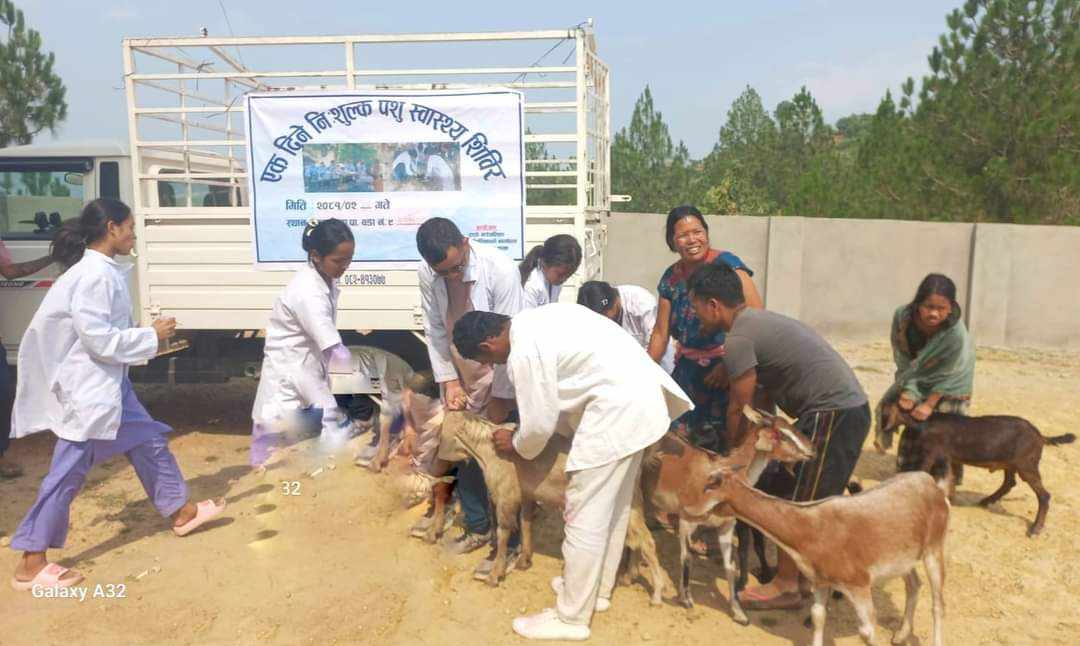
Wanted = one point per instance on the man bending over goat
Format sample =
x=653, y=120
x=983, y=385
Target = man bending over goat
x=576, y=372
x=807, y=378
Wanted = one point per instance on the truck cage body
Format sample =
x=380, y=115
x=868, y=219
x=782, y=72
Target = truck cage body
x=188, y=157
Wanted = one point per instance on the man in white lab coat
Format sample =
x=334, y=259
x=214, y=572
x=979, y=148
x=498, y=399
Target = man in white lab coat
x=459, y=276
x=577, y=373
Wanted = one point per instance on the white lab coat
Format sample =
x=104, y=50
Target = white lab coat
x=74, y=356
x=538, y=291
x=639, y=319
x=439, y=170
x=302, y=325
x=496, y=288
x=575, y=372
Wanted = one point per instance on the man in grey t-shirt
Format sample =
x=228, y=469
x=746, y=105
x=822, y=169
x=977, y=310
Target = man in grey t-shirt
x=807, y=378
x=799, y=370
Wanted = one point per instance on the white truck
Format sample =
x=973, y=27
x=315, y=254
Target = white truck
x=184, y=172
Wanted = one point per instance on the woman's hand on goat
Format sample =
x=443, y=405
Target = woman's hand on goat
x=504, y=441
x=906, y=403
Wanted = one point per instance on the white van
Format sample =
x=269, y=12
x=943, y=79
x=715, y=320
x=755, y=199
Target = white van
x=41, y=185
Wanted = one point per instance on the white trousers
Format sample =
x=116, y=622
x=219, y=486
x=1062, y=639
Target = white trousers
x=597, y=513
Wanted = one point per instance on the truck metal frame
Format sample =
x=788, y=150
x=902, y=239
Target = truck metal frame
x=184, y=102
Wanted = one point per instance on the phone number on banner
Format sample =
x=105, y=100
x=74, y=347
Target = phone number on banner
x=360, y=280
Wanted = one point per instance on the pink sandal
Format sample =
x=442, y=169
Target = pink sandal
x=48, y=577
x=205, y=511
x=754, y=600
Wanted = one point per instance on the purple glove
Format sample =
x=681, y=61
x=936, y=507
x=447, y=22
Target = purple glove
x=338, y=358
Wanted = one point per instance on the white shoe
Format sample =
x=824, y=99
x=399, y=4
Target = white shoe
x=547, y=625
x=602, y=604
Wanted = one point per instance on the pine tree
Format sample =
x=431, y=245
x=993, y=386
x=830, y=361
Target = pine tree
x=31, y=94
x=739, y=171
x=1001, y=108
x=801, y=138
x=647, y=165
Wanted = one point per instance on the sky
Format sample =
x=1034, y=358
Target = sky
x=697, y=57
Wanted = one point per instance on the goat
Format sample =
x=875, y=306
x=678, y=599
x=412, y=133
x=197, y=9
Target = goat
x=889, y=419
x=780, y=483
x=992, y=442
x=673, y=479
x=514, y=484
x=848, y=543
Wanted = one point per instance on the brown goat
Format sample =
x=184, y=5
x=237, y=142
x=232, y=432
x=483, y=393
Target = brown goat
x=514, y=484
x=673, y=481
x=1011, y=444
x=848, y=543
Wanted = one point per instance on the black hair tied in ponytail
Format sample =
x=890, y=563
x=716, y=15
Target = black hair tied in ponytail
x=560, y=250
x=597, y=295
x=92, y=225
x=322, y=237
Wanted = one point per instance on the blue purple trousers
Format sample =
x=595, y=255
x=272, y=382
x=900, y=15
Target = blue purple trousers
x=140, y=437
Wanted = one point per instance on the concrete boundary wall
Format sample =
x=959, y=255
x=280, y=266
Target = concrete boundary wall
x=1019, y=285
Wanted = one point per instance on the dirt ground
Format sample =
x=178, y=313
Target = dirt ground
x=333, y=565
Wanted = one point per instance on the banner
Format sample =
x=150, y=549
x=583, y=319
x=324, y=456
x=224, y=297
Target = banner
x=384, y=163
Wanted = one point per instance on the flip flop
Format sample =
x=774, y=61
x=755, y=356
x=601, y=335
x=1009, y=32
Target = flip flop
x=48, y=577
x=205, y=511
x=784, y=601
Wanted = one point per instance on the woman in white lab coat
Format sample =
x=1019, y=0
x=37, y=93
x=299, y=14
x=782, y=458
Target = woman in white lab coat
x=302, y=344
x=632, y=307
x=547, y=267
x=73, y=363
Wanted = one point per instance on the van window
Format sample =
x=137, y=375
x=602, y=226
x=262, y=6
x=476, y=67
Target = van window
x=110, y=180
x=34, y=202
x=210, y=192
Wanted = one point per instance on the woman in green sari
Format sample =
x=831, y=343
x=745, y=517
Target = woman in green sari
x=935, y=359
